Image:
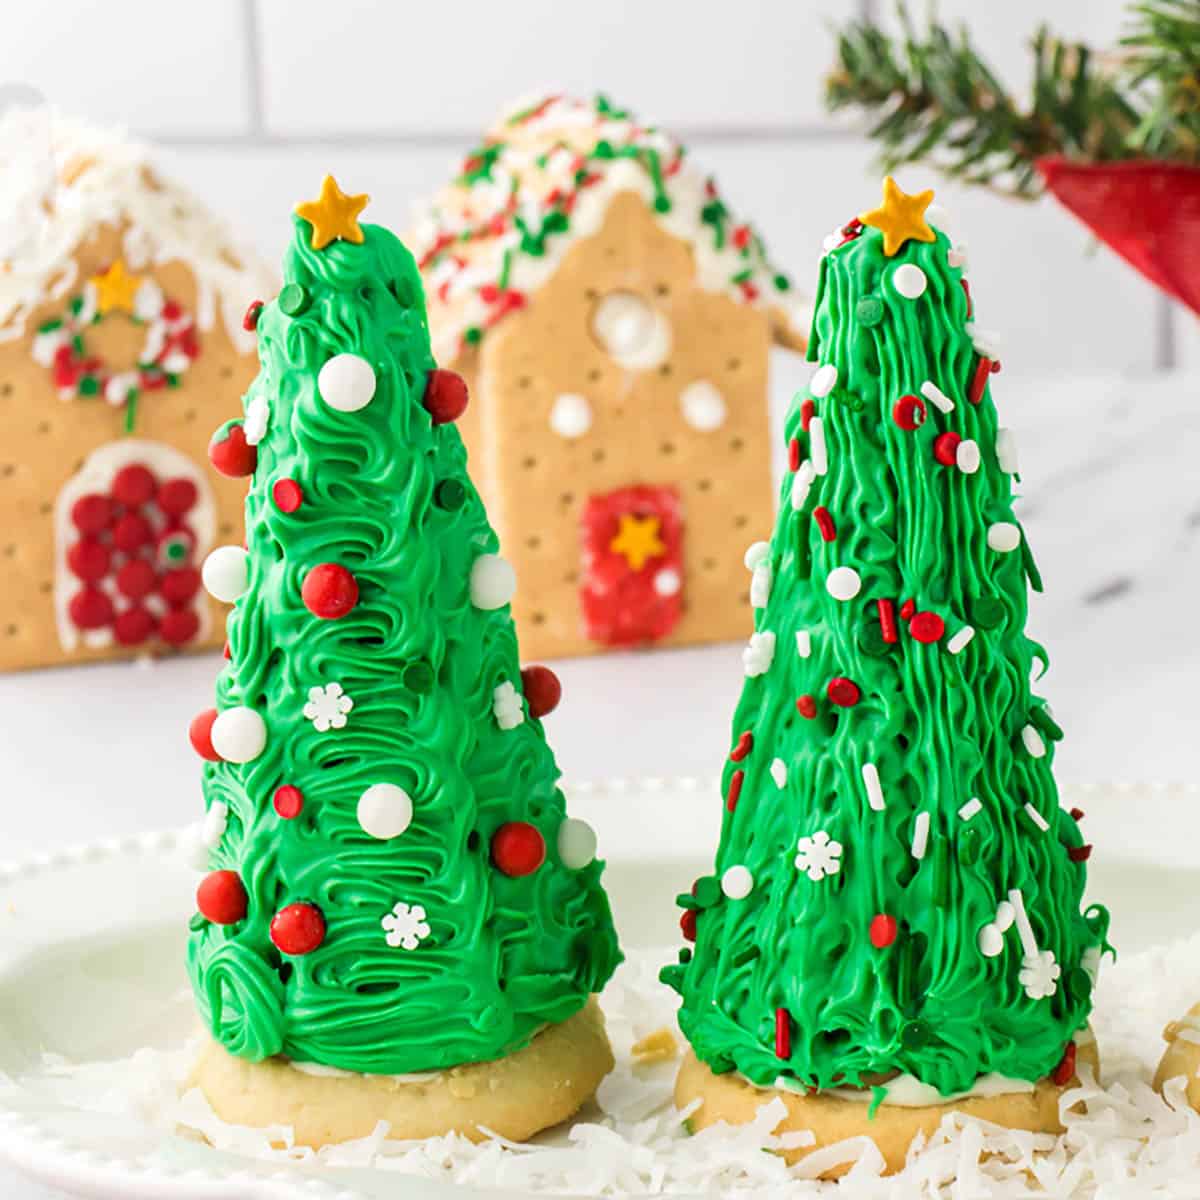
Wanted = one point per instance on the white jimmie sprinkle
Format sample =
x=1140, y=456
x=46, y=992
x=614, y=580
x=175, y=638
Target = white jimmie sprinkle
x=779, y=772
x=972, y=808
x=1028, y=941
x=920, y=840
x=801, y=482
x=816, y=445
x=803, y=643
x=936, y=396
x=961, y=640
x=1036, y=817
x=870, y=774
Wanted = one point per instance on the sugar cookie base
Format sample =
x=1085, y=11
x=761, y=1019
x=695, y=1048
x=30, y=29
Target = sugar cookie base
x=1181, y=1057
x=516, y=1097
x=831, y=1119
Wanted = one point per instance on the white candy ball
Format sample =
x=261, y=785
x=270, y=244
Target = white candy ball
x=756, y=553
x=667, y=582
x=823, y=381
x=571, y=416
x=226, y=573
x=385, y=811
x=576, y=843
x=909, y=280
x=347, y=382
x=737, y=883
x=843, y=583
x=239, y=735
x=967, y=456
x=493, y=581
x=1003, y=536
x=703, y=406
x=991, y=941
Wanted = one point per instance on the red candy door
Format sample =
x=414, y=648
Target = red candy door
x=632, y=587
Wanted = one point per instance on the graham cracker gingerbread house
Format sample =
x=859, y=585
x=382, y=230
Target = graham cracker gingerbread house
x=613, y=320
x=121, y=342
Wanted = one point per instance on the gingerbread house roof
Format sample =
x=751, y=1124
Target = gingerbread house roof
x=61, y=179
x=542, y=179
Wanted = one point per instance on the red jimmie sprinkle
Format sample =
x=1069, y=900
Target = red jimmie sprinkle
x=250, y=320
x=783, y=1033
x=907, y=610
x=807, y=707
x=966, y=287
x=887, y=621
x=1065, y=1071
x=1080, y=853
x=1077, y=814
x=808, y=410
x=825, y=523
x=687, y=925
x=983, y=368
x=735, y=789
x=794, y=454
x=745, y=744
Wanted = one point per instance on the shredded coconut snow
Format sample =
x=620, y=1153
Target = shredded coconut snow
x=632, y=1141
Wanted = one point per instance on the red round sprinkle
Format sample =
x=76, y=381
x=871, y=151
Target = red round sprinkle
x=178, y=627
x=843, y=692
x=177, y=496
x=1065, y=1071
x=807, y=706
x=945, y=447
x=288, y=801
x=909, y=412
x=250, y=320
x=221, y=897
x=200, y=734
x=177, y=587
x=134, y=485
x=90, y=609
x=745, y=744
x=89, y=560
x=687, y=924
x=232, y=455
x=298, y=928
x=329, y=591
x=825, y=523
x=542, y=689
x=445, y=396
x=518, y=848
x=136, y=578
x=927, y=627
x=288, y=495
x=131, y=532
x=92, y=513
x=883, y=931
x=133, y=626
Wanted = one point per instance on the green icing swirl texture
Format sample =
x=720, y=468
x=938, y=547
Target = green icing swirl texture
x=503, y=955
x=940, y=728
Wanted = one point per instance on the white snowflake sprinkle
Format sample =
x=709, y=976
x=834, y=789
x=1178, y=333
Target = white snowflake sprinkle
x=406, y=926
x=258, y=416
x=1039, y=975
x=327, y=707
x=759, y=654
x=507, y=705
x=818, y=856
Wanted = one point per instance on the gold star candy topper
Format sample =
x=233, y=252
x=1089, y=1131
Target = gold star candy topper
x=333, y=214
x=900, y=217
x=115, y=289
x=637, y=540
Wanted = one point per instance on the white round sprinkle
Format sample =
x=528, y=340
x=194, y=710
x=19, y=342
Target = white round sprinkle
x=226, y=573
x=843, y=583
x=1003, y=537
x=1005, y=915
x=385, y=811
x=571, y=416
x=239, y=735
x=824, y=380
x=991, y=941
x=576, y=843
x=703, y=406
x=909, y=280
x=347, y=382
x=493, y=582
x=737, y=883
x=667, y=582
x=756, y=553
x=967, y=456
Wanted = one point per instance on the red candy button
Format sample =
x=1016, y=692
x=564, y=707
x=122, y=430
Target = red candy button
x=179, y=586
x=200, y=734
x=289, y=801
x=445, y=396
x=542, y=690
x=233, y=455
x=89, y=560
x=133, y=626
x=298, y=929
x=909, y=412
x=90, y=609
x=288, y=495
x=92, y=513
x=177, y=496
x=945, y=448
x=844, y=693
x=134, y=485
x=329, y=591
x=518, y=848
x=221, y=897
x=136, y=578
x=927, y=627
x=179, y=627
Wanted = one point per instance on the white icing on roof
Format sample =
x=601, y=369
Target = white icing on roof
x=61, y=178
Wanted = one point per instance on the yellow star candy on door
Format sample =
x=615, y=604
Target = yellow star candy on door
x=638, y=540
x=900, y=217
x=333, y=214
x=115, y=289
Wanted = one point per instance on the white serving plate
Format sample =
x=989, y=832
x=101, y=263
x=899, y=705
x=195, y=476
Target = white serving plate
x=91, y=967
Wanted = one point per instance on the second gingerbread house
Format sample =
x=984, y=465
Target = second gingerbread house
x=613, y=320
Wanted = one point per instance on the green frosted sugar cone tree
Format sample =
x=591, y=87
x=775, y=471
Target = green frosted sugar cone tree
x=897, y=890
x=394, y=885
